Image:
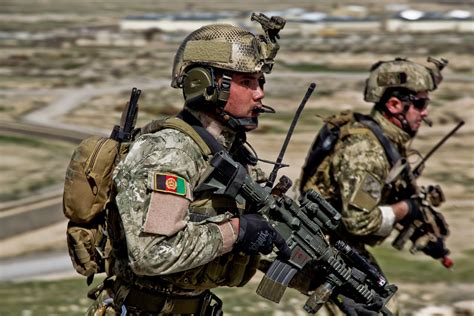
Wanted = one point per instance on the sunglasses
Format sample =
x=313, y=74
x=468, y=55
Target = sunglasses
x=419, y=103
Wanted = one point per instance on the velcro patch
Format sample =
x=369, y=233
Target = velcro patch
x=163, y=182
x=368, y=193
x=388, y=79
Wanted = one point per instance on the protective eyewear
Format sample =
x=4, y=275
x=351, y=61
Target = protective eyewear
x=419, y=103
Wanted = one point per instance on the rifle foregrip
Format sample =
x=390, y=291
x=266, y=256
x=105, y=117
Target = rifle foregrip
x=404, y=235
x=319, y=297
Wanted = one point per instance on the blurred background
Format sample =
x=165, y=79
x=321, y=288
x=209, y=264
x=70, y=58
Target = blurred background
x=67, y=69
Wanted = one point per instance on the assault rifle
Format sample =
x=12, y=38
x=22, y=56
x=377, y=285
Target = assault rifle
x=125, y=131
x=304, y=226
x=433, y=227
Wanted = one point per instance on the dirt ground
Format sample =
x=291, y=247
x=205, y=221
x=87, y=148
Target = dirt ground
x=39, y=75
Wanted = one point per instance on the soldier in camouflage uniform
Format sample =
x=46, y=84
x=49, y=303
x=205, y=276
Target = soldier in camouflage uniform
x=353, y=176
x=173, y=244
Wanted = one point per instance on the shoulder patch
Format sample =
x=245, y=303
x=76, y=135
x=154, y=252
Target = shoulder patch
x=368, y=193
x=169, y=183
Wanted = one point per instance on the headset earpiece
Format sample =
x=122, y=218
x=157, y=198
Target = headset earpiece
x=199, y=85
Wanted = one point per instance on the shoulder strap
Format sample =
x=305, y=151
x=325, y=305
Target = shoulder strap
x=182, y=126
x=186, y=123
x=210, y=141
x=392, y=153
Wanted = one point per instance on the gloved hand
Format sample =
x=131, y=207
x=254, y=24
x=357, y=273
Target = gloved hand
x=351, y=308
x=436, y=249
x=256, y=235
x=414, y=212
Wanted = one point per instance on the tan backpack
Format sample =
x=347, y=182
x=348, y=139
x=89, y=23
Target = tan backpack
x=88, y=187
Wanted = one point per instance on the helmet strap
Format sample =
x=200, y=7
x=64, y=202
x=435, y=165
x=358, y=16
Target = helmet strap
x=402, y=118
x=223, y=93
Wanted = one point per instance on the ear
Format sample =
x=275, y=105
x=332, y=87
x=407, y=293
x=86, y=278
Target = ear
x=394, y=105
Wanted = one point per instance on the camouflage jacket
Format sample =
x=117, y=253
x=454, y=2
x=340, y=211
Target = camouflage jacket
x=352, y=179
x=197, y=244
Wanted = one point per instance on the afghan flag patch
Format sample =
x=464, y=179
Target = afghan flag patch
x=169, y=183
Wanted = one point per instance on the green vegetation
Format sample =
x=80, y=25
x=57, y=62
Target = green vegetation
x=20, y=140
x=68, y=297
x=401, y=266
x=31, y=165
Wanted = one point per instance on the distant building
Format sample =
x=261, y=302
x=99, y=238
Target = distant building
x=413, y=21
x=329, y=24
x=174, y=23
x=310, y=23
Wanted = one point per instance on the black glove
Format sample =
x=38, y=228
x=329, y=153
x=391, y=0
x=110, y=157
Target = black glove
x=414, y=213
x=256, y=235
x=351, y=308
x=436, y=249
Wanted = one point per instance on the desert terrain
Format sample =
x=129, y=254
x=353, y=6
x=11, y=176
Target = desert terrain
x=43, y=75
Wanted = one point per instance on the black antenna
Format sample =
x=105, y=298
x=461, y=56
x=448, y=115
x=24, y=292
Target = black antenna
x=278, y=164
x=419, y=166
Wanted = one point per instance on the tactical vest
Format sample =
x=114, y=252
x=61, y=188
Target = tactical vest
x=231, y=269
x=326, y=142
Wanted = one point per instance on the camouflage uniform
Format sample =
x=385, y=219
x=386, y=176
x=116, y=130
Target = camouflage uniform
x=170, y=251
x=192, y=257
x=352, y=179
x=353, y=176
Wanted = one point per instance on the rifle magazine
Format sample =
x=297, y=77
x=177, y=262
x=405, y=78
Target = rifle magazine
x=275, y=281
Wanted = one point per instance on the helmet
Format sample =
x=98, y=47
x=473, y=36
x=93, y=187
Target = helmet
x=402, y=73
x=225, y=48
x=222, y=46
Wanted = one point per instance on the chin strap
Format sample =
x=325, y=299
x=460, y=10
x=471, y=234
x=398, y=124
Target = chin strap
x=223, y=91
x=401, y=117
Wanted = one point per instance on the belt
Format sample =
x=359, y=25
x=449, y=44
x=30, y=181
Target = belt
x=155, y=302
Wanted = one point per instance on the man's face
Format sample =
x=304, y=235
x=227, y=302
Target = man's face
x=246, y=94
x=417, y=111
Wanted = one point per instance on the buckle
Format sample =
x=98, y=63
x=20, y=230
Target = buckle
x=211, y=305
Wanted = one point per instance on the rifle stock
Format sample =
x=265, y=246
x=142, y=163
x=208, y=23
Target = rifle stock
x=125, y=131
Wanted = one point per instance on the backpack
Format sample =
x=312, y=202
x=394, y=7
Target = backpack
x=88, y=186
x=335, y=128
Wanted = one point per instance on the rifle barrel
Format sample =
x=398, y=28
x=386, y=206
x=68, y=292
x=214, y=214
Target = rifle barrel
x=435, y=148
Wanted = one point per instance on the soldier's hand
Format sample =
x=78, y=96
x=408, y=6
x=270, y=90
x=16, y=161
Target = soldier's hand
x=436, y=249
x=351, y=308
x=256, y=235
x=414, y=212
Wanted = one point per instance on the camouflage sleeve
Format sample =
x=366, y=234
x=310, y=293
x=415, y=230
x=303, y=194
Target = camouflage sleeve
x=167, y=151
x=359, y=168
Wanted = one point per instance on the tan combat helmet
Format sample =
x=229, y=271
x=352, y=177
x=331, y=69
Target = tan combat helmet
x=229, y=47
x=402, y=73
